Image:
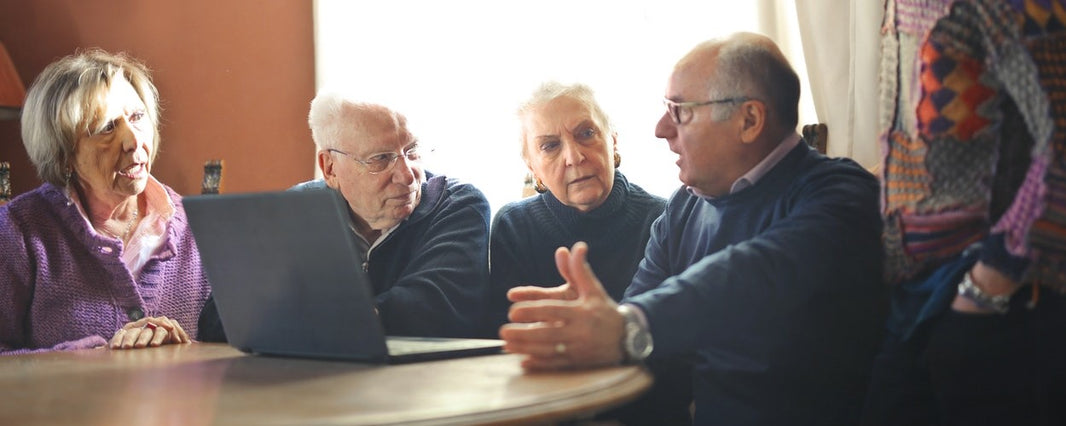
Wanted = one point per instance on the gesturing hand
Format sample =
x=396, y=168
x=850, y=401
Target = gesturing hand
x=562, y=292
x=532, y=292
x=149, y=331
x=574, y=325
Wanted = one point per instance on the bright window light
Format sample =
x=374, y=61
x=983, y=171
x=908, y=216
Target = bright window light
x=458, y=70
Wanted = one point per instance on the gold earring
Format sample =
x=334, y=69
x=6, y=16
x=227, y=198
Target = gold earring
x=539, y=186
x=617, y=160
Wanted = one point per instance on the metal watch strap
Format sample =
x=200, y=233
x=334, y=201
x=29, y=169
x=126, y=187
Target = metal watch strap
x=998, y=303
x=633, y=330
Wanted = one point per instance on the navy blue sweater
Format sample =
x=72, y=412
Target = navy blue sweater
x=430, y=274
x=526, y=233
x=775, y=289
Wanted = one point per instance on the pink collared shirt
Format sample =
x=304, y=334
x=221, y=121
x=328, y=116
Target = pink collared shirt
x=150, y=233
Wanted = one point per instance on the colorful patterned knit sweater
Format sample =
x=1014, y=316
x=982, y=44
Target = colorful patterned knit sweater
x=974, y=136
x=64, y=286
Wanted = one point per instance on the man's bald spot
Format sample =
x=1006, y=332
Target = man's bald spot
x=705, y=53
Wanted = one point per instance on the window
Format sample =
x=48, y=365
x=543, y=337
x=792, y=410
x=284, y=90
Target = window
x=459, y=68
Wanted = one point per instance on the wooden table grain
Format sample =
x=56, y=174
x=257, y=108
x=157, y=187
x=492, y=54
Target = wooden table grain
x=199, y=383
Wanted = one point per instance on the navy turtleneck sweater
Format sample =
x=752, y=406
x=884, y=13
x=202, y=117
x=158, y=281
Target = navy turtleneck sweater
x=526, y=233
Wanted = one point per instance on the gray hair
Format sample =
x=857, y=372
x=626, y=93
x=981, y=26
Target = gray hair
x=552, y=90
x=756, y=68
x=67, y=99
x=335, y=116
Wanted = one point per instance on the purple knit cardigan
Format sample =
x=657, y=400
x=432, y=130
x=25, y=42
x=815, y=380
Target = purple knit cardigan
x=63, y=286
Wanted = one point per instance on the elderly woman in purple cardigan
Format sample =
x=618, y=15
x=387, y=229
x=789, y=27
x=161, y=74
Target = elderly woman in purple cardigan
x=100, y=254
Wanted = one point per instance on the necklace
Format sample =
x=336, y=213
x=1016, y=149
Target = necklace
x=129, y=226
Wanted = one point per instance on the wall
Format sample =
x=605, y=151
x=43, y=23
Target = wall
x=235, y=79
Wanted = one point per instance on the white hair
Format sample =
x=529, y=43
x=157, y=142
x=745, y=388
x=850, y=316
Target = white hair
x=335, y=117
x=552, y=90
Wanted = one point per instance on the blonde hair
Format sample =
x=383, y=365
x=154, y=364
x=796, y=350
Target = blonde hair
x=65, y=101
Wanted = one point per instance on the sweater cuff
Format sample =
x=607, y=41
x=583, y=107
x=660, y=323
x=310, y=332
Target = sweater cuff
x=994, y=253
x=87, y=342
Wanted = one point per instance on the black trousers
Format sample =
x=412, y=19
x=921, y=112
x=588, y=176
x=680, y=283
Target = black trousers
x=975, y=369
x=1002, y=369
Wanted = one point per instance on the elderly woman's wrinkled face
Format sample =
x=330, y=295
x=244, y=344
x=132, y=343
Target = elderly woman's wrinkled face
x=111, y=161
x=570, y=152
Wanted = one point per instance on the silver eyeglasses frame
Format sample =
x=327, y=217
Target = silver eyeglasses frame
x=677, y=109
x=381, y=165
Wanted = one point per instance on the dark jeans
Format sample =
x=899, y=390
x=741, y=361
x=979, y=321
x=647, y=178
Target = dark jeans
x=972, y=369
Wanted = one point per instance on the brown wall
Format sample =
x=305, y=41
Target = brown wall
x=235, y=79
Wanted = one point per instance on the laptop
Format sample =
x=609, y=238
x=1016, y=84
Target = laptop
x=288, y=281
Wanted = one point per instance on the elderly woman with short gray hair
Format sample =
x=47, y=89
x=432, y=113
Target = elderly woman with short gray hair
x=571, y=150
x=101, y=253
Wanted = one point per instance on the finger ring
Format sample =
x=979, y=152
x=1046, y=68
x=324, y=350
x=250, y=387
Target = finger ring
x=560, y=348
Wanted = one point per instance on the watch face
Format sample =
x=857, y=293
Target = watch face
x=638, y=342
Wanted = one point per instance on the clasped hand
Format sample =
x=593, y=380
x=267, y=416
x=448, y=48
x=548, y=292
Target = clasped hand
x=149, y=331
x=573, y=325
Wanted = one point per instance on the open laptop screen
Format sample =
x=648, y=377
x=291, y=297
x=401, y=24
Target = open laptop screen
x=286, y=277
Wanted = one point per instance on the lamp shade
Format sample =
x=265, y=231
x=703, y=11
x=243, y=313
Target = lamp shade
x=12, y=92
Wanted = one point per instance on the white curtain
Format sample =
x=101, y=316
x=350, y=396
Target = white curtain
x=841, y=44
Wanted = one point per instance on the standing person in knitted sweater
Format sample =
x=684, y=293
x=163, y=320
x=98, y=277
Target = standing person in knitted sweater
x=973, y=200
x=101, y=253
x=571, y=149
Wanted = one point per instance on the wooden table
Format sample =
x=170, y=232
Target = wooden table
x=204, y=383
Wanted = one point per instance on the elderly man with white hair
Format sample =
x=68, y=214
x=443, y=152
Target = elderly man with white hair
x=423, y=238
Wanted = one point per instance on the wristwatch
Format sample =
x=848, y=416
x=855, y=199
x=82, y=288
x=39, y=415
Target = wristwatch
x=998, y=303
x=636, y=339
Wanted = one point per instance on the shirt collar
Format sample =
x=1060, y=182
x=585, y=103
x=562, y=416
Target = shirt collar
x=752, y=177
x=157, y=201
x=370, y=245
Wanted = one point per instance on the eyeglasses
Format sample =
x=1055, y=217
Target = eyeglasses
x=383, y=162
x=681, y=112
